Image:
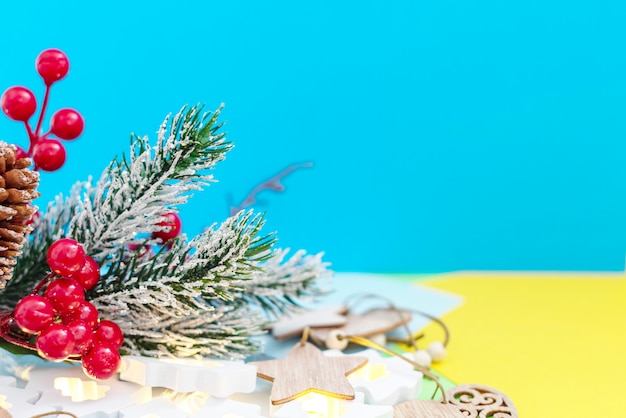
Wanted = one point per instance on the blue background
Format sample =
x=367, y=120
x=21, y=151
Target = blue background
x=445, y=134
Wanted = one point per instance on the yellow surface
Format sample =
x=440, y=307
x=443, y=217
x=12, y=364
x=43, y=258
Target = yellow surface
x=555, y=343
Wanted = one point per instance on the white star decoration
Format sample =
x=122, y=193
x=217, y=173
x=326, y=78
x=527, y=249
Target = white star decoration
x=101, y=398
x=15, y=400
x=219, y=378
x=384, y=380
x=380, y=381
x=164, y=406
x=212, y=407
x=319, y=405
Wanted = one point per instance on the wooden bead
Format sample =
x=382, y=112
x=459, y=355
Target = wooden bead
x=335, y=340
x=437, y=351
x=422, y=358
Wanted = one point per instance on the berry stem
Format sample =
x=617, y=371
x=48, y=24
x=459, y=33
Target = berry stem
x=43, y=109
x=44, y=282
x=6, y=318
x=19, y=339
x=31, y=135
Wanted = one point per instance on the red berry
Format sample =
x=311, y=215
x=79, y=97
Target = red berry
x=20, y=153
x=83, y=336
x=49, y=155
x=52, y=65
x=35, y=216
x=142, y=250
x=108, y=332
x=101, y=362
x=33, y=313
x=135, y=247
x=55, y=343
x=65, y=295
x=85, y=311
x=65, y=257
x=89, y=274
x=18, y=103
x=67, y=124
x=172, y=229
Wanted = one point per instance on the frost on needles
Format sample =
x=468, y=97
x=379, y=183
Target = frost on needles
x=203, y=296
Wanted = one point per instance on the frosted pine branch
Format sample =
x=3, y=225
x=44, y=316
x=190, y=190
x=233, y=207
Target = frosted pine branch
x=281, y=283
x=221, y=332
x=188, y=298
x=237, y=242
x=131, y=195
x=190, y=292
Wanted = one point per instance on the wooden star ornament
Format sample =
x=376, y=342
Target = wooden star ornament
x=305, y=369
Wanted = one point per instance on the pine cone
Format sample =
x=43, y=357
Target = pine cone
x=18, y=187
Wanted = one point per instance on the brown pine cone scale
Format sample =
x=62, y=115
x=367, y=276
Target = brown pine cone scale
x=18, y=184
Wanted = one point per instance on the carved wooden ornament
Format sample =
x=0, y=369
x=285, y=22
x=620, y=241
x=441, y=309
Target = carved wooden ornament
x=305, y=369
x=469, y=401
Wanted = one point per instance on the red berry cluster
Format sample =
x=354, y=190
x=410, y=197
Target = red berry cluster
x=65, y=324
x=19, y=104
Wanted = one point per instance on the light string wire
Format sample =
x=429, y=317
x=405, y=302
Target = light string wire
x=424, y=370
x=355, y=299
x=364, y=342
